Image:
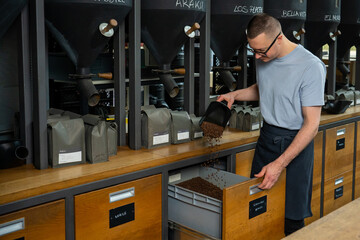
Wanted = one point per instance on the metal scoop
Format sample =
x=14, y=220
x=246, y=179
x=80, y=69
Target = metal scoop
x=217, y=113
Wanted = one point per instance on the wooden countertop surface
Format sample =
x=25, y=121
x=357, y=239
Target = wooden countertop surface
x=342, y=223
x=26, y=181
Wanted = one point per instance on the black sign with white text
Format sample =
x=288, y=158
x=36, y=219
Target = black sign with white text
x=257, y=206
x=121, y=215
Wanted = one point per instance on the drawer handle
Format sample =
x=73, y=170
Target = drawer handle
x=13, y=226
x=254, y=189
x=339, y=180
x=121, y=195
x=340, y=132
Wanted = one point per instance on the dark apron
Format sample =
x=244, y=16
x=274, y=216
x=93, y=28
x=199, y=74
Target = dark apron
x=272, y=142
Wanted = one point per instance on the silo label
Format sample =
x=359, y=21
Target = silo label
x=293, y=13
x=196, y=4
x=248, y=9
x=332, y=17
x=111, y=1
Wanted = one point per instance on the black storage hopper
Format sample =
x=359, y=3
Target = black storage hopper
x=229, y=20
x=323, y=17
x=162, y=31
x=290, y=13
x=77, y=26
x=9, y=10
x=349, y=26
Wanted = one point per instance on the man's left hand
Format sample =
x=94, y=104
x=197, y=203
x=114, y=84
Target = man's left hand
x=271, y=173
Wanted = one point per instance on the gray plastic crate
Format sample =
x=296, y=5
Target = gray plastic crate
x=195, y=210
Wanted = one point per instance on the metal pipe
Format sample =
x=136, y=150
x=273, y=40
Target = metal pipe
x=228, y=79
x=87, y=88
x=170, y=85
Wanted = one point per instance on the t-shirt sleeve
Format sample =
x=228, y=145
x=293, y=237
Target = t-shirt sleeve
x=312, y=89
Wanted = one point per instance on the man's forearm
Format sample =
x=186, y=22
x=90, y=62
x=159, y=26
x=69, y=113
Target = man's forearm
x=248, y=94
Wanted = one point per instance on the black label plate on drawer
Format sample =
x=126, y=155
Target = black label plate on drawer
x=340, y=144
x=338, y=192
x=121, y=215
x=257, y=206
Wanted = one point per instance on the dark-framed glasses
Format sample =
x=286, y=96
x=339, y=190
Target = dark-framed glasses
x=263, y=54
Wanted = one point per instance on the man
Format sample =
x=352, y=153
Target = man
x=290, y=87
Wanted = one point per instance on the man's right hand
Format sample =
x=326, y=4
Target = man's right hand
x=247, y=94
x=229, y=98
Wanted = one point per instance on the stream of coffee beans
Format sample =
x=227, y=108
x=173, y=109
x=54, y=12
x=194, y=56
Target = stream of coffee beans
x=212, y=131
x=212, y=134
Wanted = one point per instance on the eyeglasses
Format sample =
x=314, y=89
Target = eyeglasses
x=263, y=54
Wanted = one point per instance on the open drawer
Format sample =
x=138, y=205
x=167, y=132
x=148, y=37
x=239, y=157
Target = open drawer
x=245, y=212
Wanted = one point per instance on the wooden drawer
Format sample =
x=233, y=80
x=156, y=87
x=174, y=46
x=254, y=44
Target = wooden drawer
x=268, y=225
x=46, y=221
x=244, y=162
x=337, y=191
x=134, y=209
x=339, y=150
x=357, y=182
x=315, y=204
x=245, y=211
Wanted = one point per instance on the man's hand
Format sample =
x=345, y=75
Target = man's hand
x=271, y=173
x=229, y=98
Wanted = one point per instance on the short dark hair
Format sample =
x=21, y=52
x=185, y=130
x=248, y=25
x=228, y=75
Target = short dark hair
x=263, y=23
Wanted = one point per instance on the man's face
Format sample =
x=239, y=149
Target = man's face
x=264, y=48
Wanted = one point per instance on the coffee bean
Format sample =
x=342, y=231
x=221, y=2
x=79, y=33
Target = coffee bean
x=202, y=186
x=212, y=131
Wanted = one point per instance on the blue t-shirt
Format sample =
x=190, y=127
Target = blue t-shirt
x=289, y=83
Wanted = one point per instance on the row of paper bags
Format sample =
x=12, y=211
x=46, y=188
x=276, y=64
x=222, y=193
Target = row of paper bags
x=74, y=139
x=161, y=126
x=350, y=94
x=245, y=118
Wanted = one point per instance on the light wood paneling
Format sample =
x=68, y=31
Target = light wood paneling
x=244, y=162
x=357, y=164
x=92, y=212
x=315, y=204
x=179, y=232
x=330, y=118
x=25, y=181
x=330, y=203
x=358, y=146
x=46, y=221
x=316, y=193
x=268, y=225
x=338, y=225
x=318, y=154
x=357, y=182
x=340, y=161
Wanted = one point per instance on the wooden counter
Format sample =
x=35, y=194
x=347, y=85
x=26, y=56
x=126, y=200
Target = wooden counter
x=26, y=181
x=343, y=224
